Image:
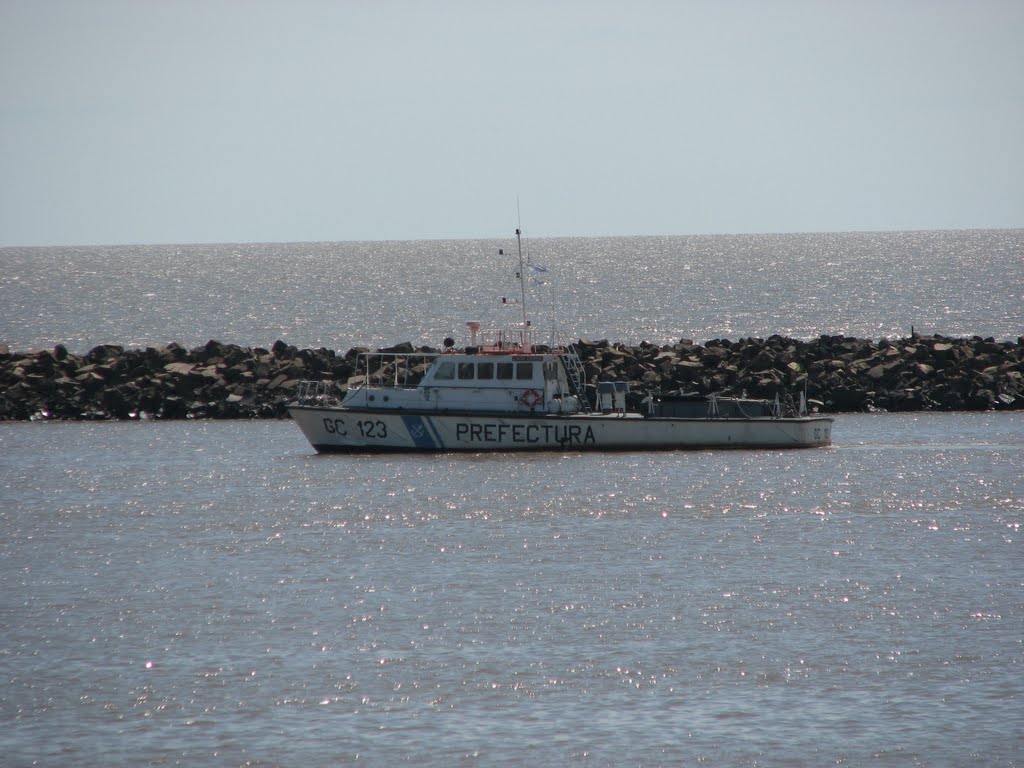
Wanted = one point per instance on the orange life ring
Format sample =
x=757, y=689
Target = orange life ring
x=531, y=398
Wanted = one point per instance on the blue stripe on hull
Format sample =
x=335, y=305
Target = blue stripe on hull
x=422, y=432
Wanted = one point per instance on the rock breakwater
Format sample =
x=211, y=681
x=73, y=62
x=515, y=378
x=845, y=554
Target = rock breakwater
x=225, y=381
x=221, y=381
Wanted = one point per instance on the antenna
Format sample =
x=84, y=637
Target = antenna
x=522, y=279
x=554, y=328
x=522, y=266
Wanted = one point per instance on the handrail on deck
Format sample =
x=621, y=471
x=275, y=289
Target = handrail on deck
x=393, y=371
x=326, y=393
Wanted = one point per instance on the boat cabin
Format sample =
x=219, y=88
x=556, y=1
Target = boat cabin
x=474, y=380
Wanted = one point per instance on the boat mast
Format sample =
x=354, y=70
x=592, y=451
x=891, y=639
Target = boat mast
x=522, y=278
x=522, y=289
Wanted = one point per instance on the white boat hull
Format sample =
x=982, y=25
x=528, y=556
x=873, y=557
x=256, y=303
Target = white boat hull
x=342, y=429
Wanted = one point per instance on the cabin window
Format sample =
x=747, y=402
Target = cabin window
x=445, y=371
x=485, y=370
x=466, y=371
x=550, y=371
x=505, y=370
x=524, y=371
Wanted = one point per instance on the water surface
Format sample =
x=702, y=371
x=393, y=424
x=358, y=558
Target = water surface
x=214, y=593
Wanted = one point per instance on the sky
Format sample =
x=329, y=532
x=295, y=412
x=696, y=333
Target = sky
x=201, y=121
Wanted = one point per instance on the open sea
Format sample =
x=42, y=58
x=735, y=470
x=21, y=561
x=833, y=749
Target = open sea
x=214, y=593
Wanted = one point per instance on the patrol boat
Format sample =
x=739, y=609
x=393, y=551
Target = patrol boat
x=503, y=392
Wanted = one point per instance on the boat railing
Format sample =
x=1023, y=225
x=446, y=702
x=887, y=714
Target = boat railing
x=502, y=340
x=391, y=370
x=323, y=393
x=577, y=376
x=517, y=341
x=746, y=408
